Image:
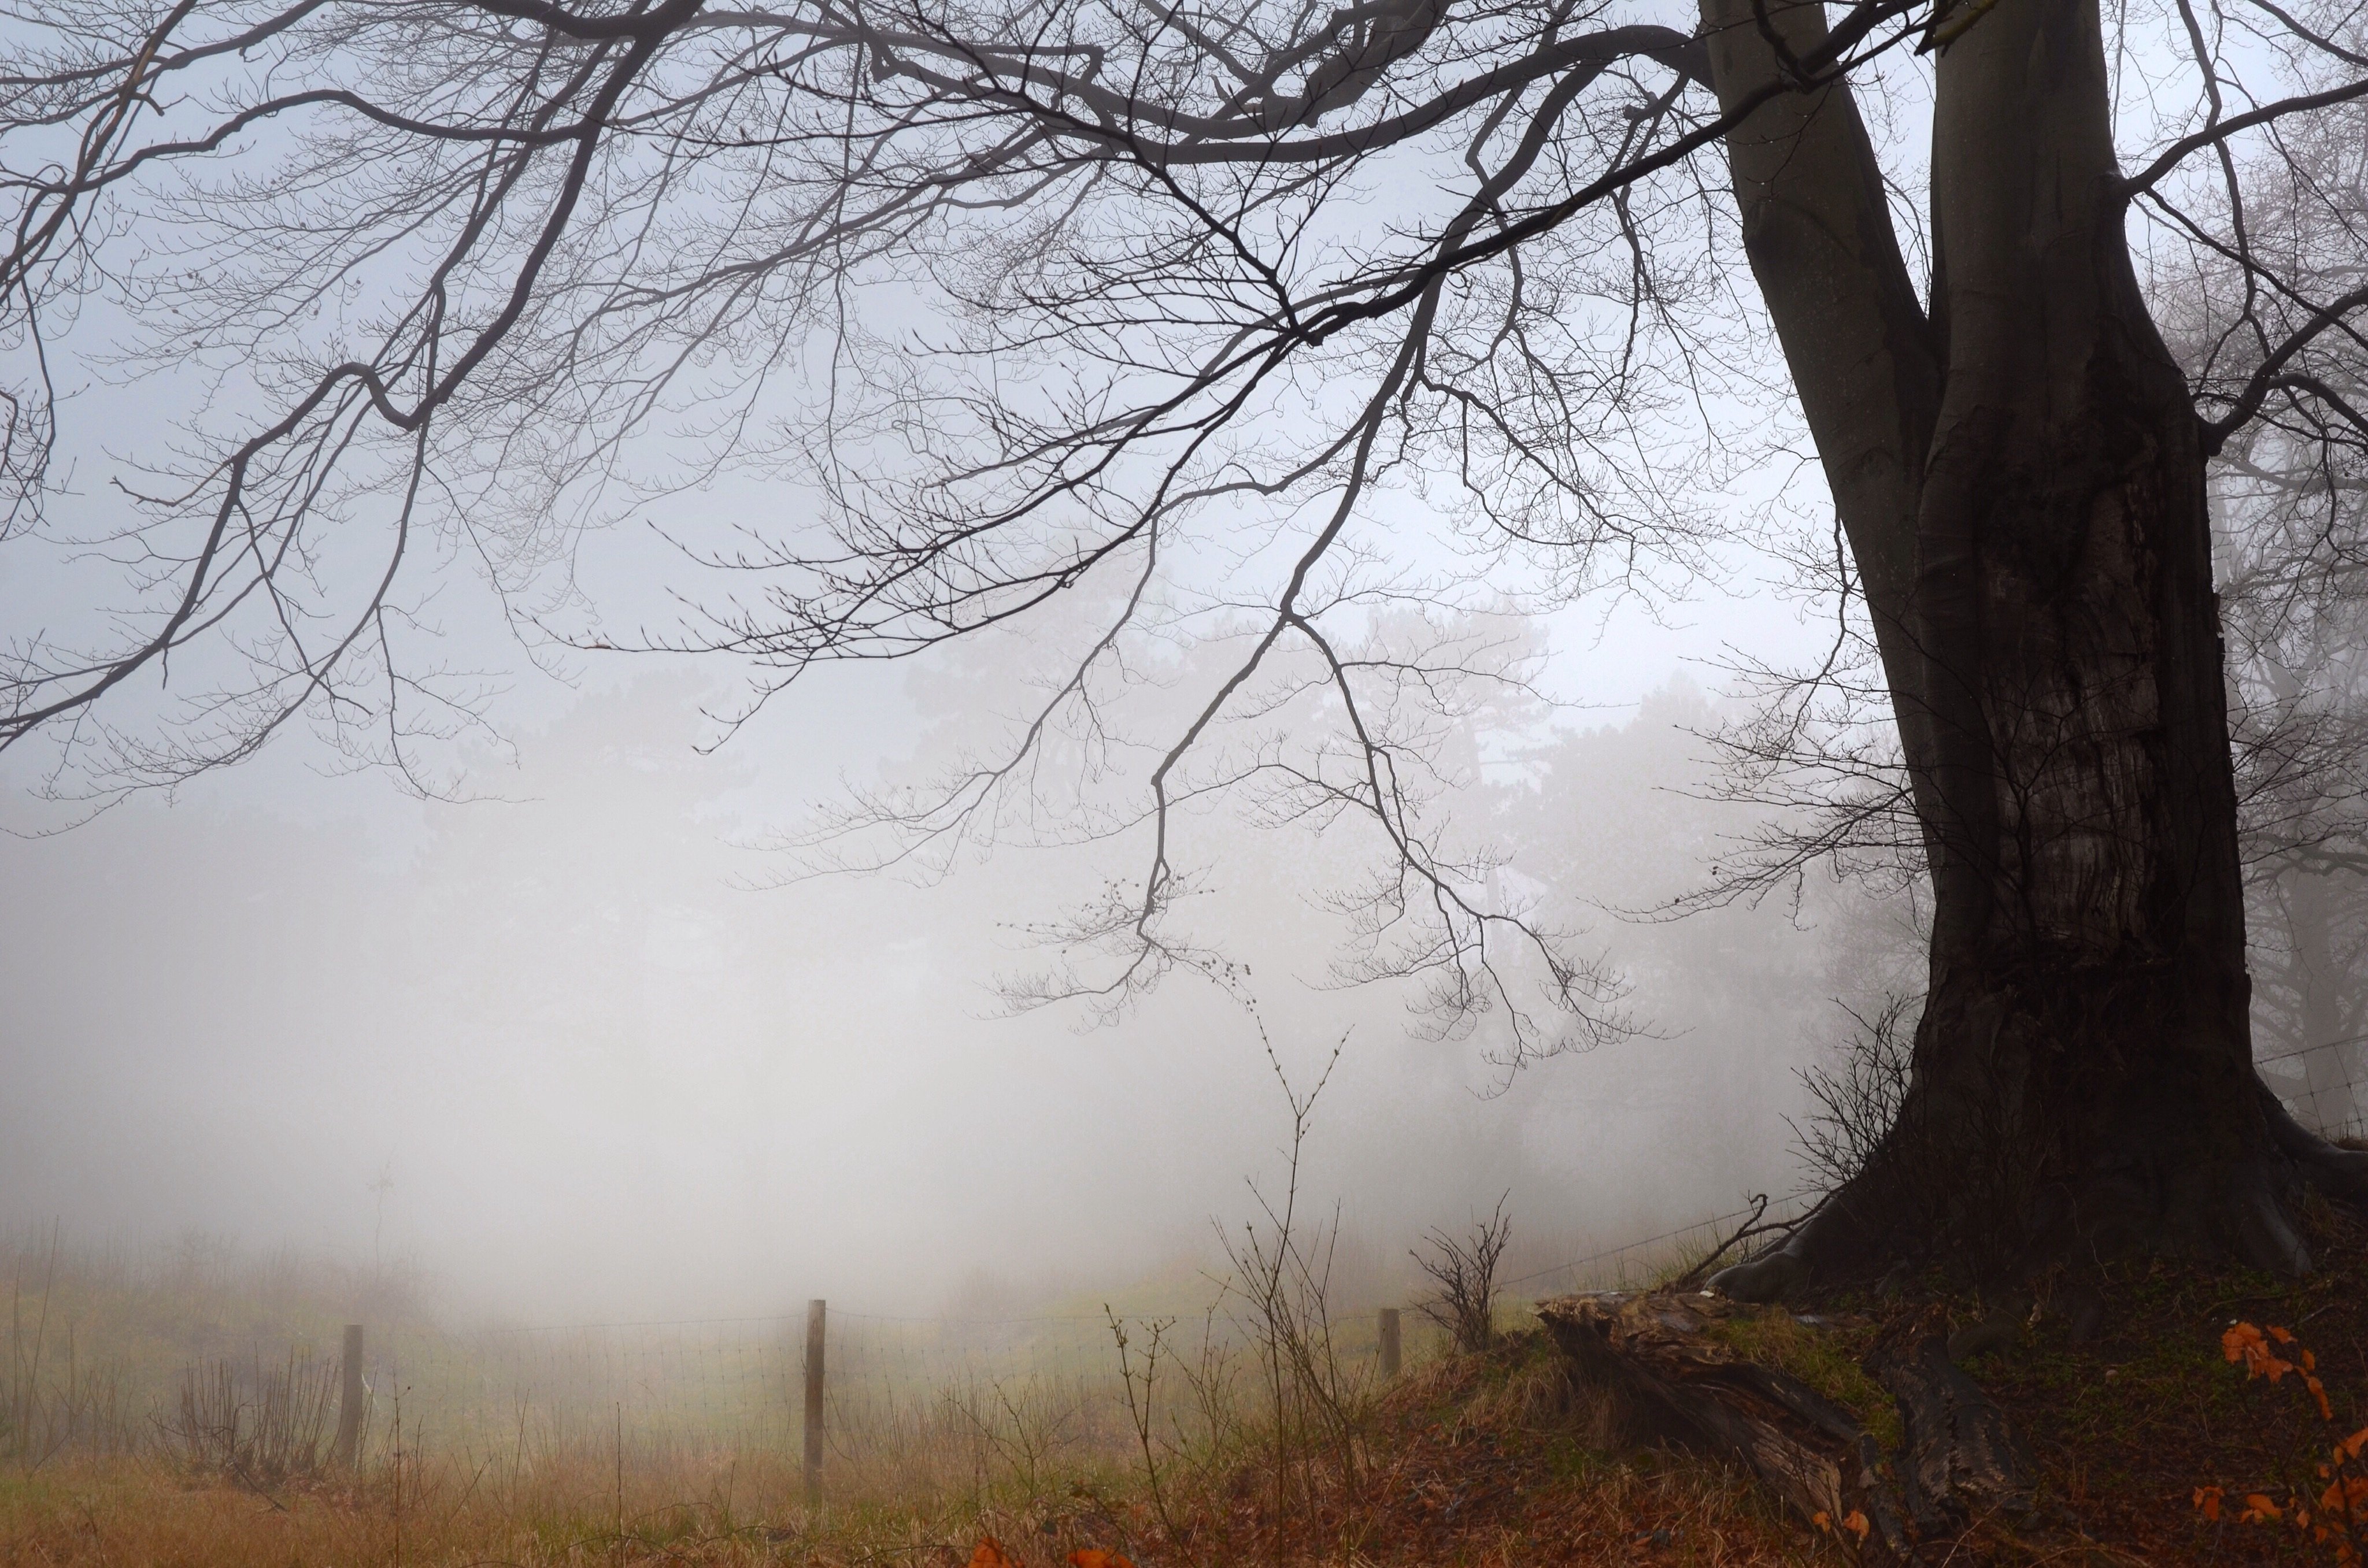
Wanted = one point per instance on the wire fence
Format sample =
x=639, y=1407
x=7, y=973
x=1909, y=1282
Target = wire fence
x=1019, y=1389
x=2324, y=1085
x=737, y=1382
x=1010, y=1391
x=1014, y=1390
x=1006, y=1382
x=1651, y=1259
x=969, y=1392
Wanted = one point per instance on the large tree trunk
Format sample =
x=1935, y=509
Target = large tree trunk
x=2083, y=1067
x=2086, y=1028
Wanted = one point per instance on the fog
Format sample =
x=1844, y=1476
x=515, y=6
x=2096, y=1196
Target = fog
x=547, y=1006
x=579, y=1044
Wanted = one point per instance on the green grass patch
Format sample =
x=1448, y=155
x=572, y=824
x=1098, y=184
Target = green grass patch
x=1826, y=1360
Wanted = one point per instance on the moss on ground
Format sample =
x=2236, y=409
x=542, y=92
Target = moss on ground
x=1827, y=1357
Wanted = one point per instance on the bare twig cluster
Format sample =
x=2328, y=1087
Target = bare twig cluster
x=258, y=1423
x=1856, y=1099
x=1281, y=1273
x=1464, y=1270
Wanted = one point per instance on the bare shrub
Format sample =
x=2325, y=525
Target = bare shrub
x=1025, y=1425
x=1282, y=1272
x=258, y=1423
x=1141, y=1377
x=1858, y=1098
x=70, y=1404
x=1464, y=1270
x=1211, y=1427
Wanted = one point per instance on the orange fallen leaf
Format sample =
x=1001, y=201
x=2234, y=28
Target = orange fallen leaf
x=990, y=1554
x=2207, y=1501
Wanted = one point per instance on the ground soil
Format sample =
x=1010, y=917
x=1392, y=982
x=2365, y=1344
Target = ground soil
x=2129, y=1424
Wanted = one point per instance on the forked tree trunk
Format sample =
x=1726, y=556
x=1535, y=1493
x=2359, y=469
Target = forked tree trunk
x=2083, y=1070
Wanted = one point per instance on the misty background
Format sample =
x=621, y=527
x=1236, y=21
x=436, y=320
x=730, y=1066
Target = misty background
x=547, y=1015
x=577, y=1044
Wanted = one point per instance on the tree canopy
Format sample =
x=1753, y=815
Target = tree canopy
x=1019, y=301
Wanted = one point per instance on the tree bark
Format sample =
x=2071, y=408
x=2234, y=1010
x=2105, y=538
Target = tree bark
x=1817, y=231
x=2083, y=1071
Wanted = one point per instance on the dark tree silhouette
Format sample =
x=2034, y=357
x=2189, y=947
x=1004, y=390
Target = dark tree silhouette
x=1065, y=294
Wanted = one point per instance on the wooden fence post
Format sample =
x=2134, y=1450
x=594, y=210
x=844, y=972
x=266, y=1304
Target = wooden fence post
x=349, y=1450
x=1389, y=1342
x=814, y=1402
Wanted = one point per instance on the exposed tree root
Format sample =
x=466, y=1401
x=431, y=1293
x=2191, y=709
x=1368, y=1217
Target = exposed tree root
x=2341, y=1173
x=2241, y=1213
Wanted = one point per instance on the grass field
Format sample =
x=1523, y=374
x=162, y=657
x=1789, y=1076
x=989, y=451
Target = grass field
x=678, y=1442
x=1469, y=1459
x=1041, y=1440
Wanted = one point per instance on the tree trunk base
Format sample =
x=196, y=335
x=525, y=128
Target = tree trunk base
x=2240, y=1213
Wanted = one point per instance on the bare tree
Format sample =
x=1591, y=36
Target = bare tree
x=1019, y=298
x=2289, y=494
x=2311, y=996
x=1464, y=1270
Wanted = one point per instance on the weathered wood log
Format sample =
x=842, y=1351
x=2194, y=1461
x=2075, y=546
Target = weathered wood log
x=1959, y=1457
x=1671, y=1380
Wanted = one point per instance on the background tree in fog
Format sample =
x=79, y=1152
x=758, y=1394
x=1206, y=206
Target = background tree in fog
x=2288, y=497
x=1727, y=992
x=2298, y=679
x=1017, y=298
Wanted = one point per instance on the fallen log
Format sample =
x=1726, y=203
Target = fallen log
x=1661, y=1360
x=1959, y=1459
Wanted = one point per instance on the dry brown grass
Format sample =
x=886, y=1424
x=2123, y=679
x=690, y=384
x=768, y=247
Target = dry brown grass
x=1494, y=1461
x=1481, y=1459
x=1279, y=1450
x=707, y=1509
